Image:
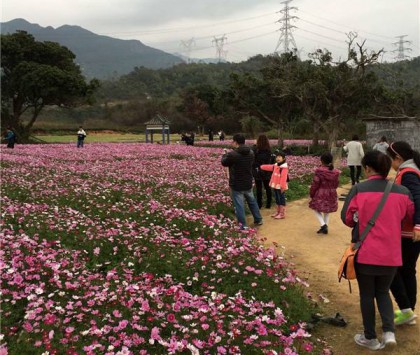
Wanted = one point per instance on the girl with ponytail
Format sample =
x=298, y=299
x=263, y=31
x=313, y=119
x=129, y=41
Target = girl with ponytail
x=406, y=162
x=323, y=192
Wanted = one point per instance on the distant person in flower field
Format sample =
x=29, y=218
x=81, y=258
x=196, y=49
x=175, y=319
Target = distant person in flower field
x=278, y=182
x=240, y=160
x=379, y=255
x=211, y=136
x=10, y=137
x=81, y=134
x=221, y=136
x=406, y=162
x=355, y=154
x=382, y=145
x=263, y=155
x=323, y=191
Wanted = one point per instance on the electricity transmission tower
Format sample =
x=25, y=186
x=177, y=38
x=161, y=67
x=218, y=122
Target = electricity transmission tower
x=187, y=48
x=286, y=36
x=401, y=48
x=219, y=43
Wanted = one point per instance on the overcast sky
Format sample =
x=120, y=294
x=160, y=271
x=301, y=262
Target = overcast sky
x=249, y=26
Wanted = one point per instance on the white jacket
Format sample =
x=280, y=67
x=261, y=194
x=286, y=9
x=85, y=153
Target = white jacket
x=355, y=153
x=381, y=146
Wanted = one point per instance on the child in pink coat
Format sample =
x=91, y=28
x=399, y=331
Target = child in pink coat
x=278, y=183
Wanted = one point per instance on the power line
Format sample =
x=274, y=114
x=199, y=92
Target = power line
x=188, y=28
x=187, y=45
x=341, y=32
x=401, y=48
x=341, y=25
x=219, y=42
x=286, y=37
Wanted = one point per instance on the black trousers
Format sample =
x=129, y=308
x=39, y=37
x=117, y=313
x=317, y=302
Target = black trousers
x=404, y=286
x=355, y=177
x=259, y=185
x=375, y=286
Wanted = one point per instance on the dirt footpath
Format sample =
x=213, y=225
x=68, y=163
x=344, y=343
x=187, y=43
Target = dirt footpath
x=316, y=258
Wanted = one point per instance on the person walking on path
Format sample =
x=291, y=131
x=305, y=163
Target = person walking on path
x=406, y=162
x=240, y=161
x=323, y=191
x=10, y=137
x=278, y=182
x=263, y=155
x=81, y=134
x=355, y=154
x=379, y=255
x=382, y=145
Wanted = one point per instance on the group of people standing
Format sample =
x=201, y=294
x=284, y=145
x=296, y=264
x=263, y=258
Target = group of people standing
x=221, y=135
x=269, y=170
x=387, y=257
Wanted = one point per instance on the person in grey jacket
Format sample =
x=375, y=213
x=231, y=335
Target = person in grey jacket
x=240, y=161
x=382, y=145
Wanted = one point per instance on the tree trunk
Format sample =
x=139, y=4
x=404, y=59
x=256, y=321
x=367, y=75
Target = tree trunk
x=332, y=137
x=280, y=135
x=315, y=137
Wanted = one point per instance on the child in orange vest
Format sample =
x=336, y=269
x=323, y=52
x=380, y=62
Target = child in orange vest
x=278, y=183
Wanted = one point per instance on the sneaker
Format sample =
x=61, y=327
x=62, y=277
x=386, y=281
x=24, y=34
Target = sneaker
x=397, y=312
x=372, y=344
x=404, y=317
x=259, y=223
x=388, y=339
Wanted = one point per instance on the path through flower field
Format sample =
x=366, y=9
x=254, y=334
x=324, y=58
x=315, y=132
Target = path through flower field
x=316, y=258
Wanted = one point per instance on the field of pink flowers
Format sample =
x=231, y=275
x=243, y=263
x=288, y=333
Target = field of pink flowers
x=132, y=249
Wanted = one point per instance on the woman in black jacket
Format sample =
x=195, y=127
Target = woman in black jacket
x=406, y=162
x=262, y=152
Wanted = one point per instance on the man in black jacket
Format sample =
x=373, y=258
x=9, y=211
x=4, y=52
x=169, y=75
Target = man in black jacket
x=239, y=161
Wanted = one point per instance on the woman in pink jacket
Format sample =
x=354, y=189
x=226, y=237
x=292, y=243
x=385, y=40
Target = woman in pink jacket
x=278, y=183
x=379, y=255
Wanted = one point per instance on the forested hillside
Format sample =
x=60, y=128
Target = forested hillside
x=101, y=57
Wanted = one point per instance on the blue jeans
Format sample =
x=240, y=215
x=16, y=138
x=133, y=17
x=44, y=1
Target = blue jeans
x=80, y=143
x=238, y=198
x=280, y=197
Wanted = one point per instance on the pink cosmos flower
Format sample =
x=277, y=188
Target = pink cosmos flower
x=117, y=313
x=28, y=327
x=155, y=334
x=69, y=330
x=308, y=347
x=171, y=318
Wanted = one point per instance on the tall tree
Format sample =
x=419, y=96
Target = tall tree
x=35, y=74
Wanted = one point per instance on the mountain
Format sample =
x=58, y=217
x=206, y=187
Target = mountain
x=99, y=56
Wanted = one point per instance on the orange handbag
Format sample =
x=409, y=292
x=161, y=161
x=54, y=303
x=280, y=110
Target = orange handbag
x=346, y=269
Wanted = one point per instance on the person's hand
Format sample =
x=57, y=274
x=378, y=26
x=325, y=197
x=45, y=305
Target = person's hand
x=416, y=236
x=225, y=150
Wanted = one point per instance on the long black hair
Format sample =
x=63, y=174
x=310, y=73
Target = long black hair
x=404, y=150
